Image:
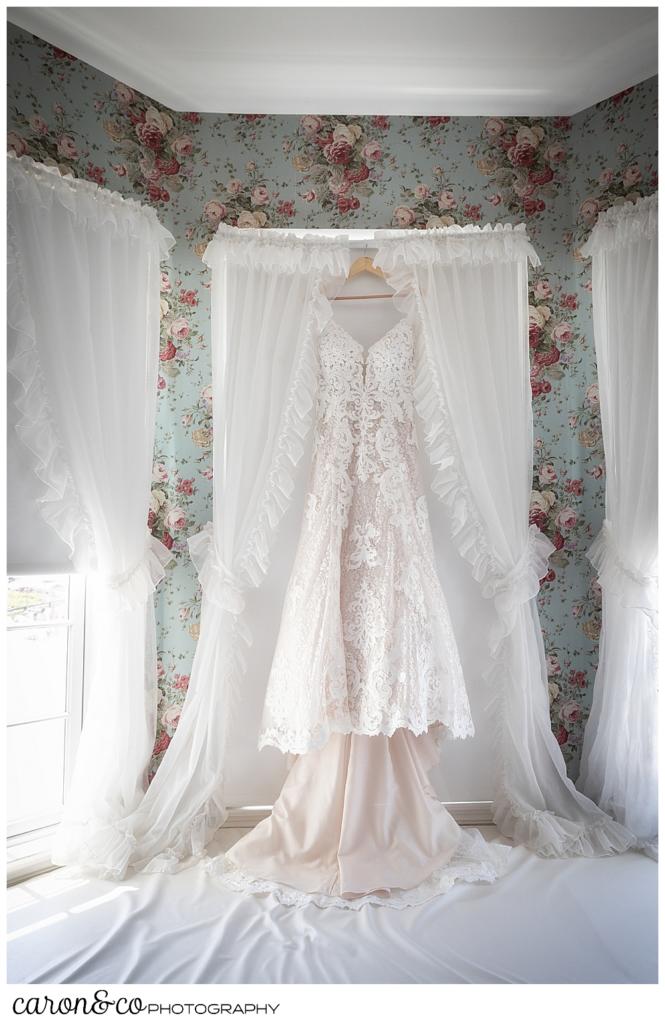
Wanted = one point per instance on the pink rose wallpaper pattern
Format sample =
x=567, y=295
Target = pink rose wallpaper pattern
x=553, y=173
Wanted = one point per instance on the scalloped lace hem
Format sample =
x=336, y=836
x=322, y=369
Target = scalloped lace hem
x=467, y=865
x=460, y=729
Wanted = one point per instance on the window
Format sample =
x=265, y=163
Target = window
x=45, y=637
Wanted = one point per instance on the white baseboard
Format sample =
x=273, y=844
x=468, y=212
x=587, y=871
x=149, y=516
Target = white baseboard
x=29, y=855
x=473, y=812
x=29, y=867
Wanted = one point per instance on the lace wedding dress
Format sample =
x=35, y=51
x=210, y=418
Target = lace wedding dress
x=366, y=679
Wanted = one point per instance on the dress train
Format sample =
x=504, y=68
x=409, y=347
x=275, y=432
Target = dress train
x=358, y=822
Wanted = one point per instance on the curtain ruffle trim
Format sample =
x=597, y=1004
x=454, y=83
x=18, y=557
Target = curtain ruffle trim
x=545, y=833
x=108, y=850
x=41, y=184
x=100, y=848
x=218, y=583
x=507, y=587
x=623, y=224
x=520, y=584
x=290, y=444
x=633, y=588
x=134, y=587
x=92, y=849
x=548, y=835
x=468, y=244
x=276, y=251
x=60, y=505
x=649, y=847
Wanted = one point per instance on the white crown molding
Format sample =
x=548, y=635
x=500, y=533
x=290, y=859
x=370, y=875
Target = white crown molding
x=542, y=67
x=63, y=28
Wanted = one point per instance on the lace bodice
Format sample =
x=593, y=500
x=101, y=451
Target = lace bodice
x=365, y=643
x=365, y=406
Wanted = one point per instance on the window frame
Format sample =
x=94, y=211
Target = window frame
x=29, y=840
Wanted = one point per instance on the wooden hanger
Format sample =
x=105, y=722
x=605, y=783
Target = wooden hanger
x=364, y=265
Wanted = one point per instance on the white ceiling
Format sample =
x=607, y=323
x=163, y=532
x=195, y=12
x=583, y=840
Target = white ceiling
x=345, y=60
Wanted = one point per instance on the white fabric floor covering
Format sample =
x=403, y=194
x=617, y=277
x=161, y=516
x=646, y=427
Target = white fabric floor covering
x=545, y=921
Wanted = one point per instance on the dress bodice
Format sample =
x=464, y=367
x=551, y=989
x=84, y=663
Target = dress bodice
x=365, y=405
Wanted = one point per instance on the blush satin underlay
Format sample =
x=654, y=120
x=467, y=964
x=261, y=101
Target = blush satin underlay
x=358, y=822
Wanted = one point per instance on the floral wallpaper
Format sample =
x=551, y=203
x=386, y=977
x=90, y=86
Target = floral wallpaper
x=554, y=173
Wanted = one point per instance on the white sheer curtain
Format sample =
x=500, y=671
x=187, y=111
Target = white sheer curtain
x=83, y=314
x=268, y=305
x=469, y=288
x=619, y=756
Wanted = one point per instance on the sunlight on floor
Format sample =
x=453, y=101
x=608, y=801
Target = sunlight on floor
x=41, y=888
x=38, y=890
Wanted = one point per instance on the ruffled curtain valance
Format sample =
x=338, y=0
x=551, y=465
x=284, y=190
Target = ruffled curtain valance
x=89, y=204
x=619, y=756
x=623, y=225
x=290, y=251
x=466, y=290
x=83, y=312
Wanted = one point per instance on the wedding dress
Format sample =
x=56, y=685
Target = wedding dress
x=366, y=679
